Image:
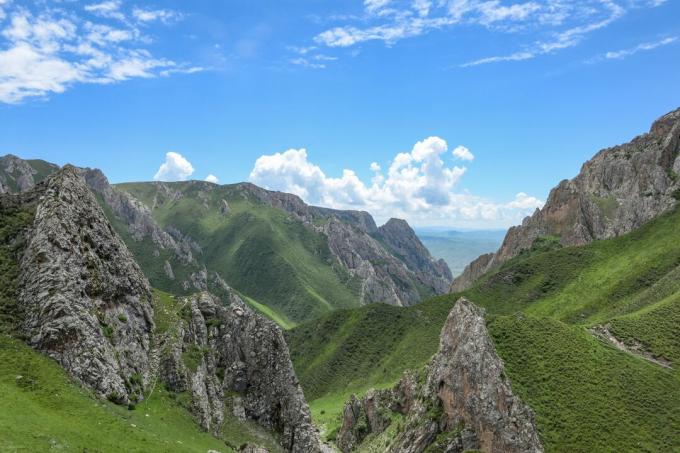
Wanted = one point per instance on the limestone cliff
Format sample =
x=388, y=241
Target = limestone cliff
x=461, y=401
x=617, y=191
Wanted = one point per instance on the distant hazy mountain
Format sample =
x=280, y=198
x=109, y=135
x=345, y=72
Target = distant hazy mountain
x=458, y=248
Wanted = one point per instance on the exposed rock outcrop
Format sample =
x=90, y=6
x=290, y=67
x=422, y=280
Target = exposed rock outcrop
x=463, y=402
x=86, y=302
x=617, y=191
x=229, y=358
x=403, y=242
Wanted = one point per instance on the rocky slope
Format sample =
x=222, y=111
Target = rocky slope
x=462, y=401
x=17, y=175
x=83, y=300
x=86, y=302
x=230, y=359
x=617, y=191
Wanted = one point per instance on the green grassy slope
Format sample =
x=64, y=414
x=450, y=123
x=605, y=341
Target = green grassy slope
x=629, y=283
x=43, y=410
x=281, y=267
x=42, y=170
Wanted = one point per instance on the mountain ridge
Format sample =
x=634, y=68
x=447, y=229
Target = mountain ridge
x=616, y=191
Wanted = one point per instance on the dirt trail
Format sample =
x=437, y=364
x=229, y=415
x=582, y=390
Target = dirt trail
x=637, y=349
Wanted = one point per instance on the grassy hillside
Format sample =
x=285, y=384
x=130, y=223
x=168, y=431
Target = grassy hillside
x=280, y=267
x=629, y=284
x=43, y=410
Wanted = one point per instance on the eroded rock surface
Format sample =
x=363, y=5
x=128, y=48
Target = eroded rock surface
x=461, y=401
x=231, y=359
x=85, y=300
x=617, y=191
x=18, y=175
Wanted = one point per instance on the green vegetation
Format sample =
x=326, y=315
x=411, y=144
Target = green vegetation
x=587, y=395
x=282, y=268
x=579, y=385
x=43, y=410
x=14, y=220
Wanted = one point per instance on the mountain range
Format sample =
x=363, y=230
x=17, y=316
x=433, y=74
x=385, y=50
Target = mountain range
x=189, y=316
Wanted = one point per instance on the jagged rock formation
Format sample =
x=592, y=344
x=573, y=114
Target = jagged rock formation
x=18, y=175
x=463, y=402
x=617, y=191
x=229, y=358
x=86, y=303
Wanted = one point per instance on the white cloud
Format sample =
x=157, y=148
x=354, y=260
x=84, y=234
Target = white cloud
x=150, y=15
x=175, y=168
x=212, y=178
x=546, y=26
x=463, y=153
x=621, y=54
x=418, y=185
x=109, y=9
x=50, y=50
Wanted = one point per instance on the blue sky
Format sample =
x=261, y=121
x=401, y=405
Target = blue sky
x=306, y=95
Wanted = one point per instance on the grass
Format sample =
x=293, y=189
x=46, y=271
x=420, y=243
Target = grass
x=630, y=283
x=588, y=396
x=14, y=220
x=282, y=268
x=43, y=410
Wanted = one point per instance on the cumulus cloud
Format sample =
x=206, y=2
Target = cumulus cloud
x=48, y=50
x=212, y=178
x=175, y=168
x=417, y=185
x=463, y=153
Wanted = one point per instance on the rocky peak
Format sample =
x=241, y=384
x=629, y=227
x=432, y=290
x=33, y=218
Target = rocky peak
x=617, y=191
x=465, y=401
x=400, y=237
x=86, y=302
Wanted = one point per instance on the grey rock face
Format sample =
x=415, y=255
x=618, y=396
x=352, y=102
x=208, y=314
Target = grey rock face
x=134, y=213
x=464, y=403
x=399, y=236
x=18, y=175
x=617, y=191
x=230, y=358
x=86, y=302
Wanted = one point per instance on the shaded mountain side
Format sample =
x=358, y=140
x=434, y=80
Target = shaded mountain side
x=73, y=291
x=17, y=174
x=587, y=394
x=617, y=191
x=461, y=401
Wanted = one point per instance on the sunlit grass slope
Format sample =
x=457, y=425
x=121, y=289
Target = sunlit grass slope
x=578, y=385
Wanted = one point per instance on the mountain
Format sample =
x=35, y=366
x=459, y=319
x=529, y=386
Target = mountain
x=17, y=174
x=586, y=328
x=616, y=192
x=72, y=290
x=459, y=248
x=588, y=336
x=461, y=401
x=290, y=260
